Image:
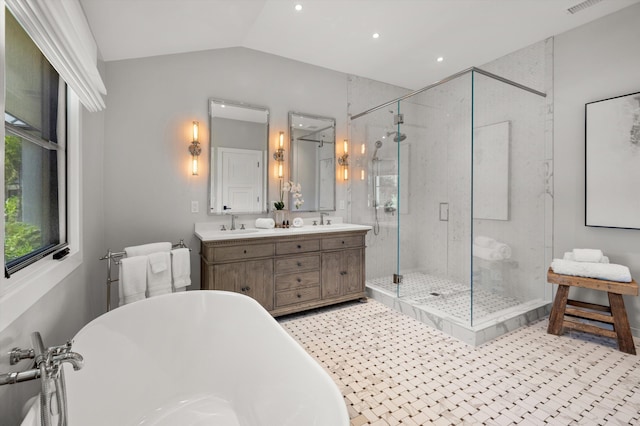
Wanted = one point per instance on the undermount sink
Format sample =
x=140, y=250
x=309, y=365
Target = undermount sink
x=212, y=232
x=242, y=231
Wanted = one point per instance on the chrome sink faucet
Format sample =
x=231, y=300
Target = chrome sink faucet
x=322, y=215
x=233, y=222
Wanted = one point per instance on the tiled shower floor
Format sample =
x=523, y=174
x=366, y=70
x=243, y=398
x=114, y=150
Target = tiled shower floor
x=445, y=296
x=394, y=370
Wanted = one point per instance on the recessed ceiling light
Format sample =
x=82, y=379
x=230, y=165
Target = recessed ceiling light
x=298, y=7
x=376, y=35
x=440, y=59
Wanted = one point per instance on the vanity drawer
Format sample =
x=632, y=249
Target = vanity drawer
x=292, y=297
x=249, y=251
x=298, y=263
x=303, y=279
x=301, y=246
x=334, y=243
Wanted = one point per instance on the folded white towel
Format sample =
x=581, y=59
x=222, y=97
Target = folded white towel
x=486, y=253
x=180, y=268
x=504, y=250
x=601, y=271
x=587, y=255
x=158, y=282
x=132, y=280
x=484, y=241
x=568, y=255
x=146, y=249
x=265, y=223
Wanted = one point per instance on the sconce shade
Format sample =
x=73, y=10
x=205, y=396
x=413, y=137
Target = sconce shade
x=279, y=155
x=344, y=160
x=195, y=150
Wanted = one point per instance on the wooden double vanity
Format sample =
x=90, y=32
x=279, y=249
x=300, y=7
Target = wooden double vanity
x=287, y=270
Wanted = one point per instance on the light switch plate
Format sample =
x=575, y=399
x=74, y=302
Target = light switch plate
x=195, y=208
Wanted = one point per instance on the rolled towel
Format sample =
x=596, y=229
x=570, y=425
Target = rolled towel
x=146, y=249
x=159, y=282
x=486, y=253
x=587, y=255
x=265, y=223
x=180, y=268
x=568, y=255
x=132, y=280
x=503, y=249
x=601, y=271
x=484, y=241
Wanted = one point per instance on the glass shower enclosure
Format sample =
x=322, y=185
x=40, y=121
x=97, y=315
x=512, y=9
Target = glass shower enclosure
x=453, y=180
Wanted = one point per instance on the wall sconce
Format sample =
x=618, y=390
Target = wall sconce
x=195, y=149
x=362, y=174
x=279, y=155
x=344, y=161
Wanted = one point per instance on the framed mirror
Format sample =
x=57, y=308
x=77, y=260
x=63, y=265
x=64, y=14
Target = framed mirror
x=313, y=160
x=238, y=157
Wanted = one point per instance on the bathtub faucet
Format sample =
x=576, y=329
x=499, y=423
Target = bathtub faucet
x=55, y=356
x=46, y=363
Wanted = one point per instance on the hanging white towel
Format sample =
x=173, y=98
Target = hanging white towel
x=601, y=271
x=146, y=249
x=158, y=262
x=587, y=255
x=132, y=281
x=181, y=268
x=158, y=282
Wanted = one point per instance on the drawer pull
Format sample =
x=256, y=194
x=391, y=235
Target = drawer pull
x=299, y=280
x=245, y=252
x=299, y=246
x=299, y=295
x=343, y=273
x=342, y=242
x=245, y=288
x=299, y=264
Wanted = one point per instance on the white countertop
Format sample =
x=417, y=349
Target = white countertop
x=211, y=231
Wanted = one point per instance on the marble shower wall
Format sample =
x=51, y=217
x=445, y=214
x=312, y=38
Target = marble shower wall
x=438, y=128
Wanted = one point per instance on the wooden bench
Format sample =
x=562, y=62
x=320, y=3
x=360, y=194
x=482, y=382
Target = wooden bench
x=614, y=314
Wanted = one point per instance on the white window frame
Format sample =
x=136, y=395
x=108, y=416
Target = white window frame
x=27, y=286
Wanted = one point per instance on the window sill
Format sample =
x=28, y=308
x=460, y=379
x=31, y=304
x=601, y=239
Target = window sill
x=28, y=286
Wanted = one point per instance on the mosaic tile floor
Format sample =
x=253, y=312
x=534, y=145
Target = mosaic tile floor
x=394, y=370
x=449, y=297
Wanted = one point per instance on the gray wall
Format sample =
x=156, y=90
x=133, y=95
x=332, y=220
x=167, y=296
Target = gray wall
x=152, y=102
x=596, y=61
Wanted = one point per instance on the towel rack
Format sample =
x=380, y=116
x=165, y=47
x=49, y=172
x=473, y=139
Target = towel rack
x=114, y=257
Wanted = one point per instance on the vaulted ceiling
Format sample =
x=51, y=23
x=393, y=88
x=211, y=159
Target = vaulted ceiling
x=338, y=34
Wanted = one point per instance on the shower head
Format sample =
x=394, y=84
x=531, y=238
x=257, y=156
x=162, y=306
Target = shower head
x=399, y=137
x=375, y=152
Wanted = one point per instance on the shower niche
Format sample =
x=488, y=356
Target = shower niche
x=457, y=196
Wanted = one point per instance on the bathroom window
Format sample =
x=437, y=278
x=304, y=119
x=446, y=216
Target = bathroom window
x=35, y=152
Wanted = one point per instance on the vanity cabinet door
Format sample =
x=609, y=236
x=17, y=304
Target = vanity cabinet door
x=253, y=278
x=353, y=281
x=342, y=273
x=331, y=274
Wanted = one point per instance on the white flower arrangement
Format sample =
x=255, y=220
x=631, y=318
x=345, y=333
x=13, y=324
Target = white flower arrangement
x=296, y=192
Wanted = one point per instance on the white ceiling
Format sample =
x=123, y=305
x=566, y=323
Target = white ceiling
x=337, y=34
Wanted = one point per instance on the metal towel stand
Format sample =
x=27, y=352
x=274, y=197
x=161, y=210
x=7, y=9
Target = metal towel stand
x=113, y=258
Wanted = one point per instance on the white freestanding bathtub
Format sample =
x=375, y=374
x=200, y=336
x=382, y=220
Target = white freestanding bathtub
x=196, y=358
